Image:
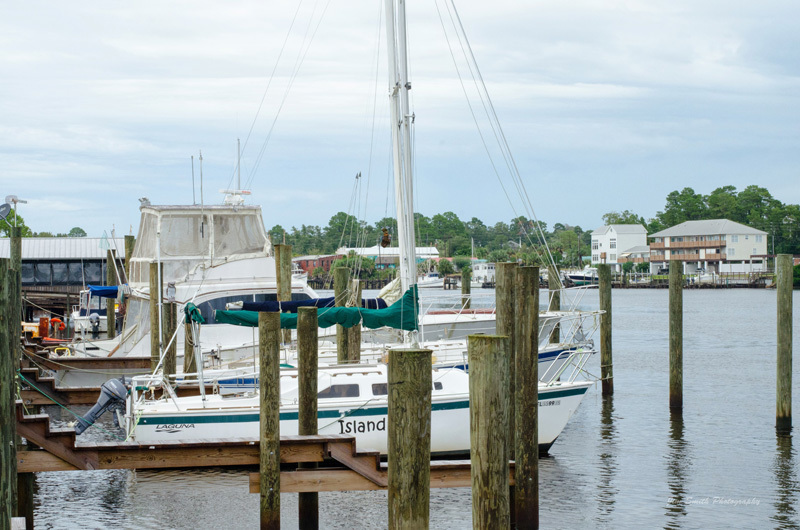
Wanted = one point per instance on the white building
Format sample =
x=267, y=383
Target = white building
x=716, y=245
x=610, y=241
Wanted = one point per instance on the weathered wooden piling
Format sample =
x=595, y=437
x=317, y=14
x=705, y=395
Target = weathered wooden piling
x=341, y=282
x=526, y=406
x=269, y=329
x=466, y=287
x=354, y=333
x=15, y=292
x=505, y=276
x=8, y=420
x=307, y=367
x=170, y=325
x=606, y=364
x=130, y=243
x=675, y=338
x=409, y=438
x=111, y=279
x=554, y=286
x=783, y=404
x=155, y=298
x=283, y=273
x=25, y=489
x=489, y=379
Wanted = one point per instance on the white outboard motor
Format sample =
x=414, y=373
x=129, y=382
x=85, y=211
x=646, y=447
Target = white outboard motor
x=112, y=395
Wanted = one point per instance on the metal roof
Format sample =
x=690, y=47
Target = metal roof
x=63, y=247
x=388, y=251
x=708, y=227
x=640, y=249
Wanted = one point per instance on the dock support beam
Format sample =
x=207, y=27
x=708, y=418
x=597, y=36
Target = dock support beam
x=155, y=327
x=269, y=329
x=489, y=379
x=8, y=420
x=783, y=280
x=466, y=287
x=505, y=293
x=676, y=338
x=354, y=333
x=341, y=281
x=307, y=367
x=15, y=293
x=409, y=440
x=526, y=406
x=606, y=363
x=283, y=273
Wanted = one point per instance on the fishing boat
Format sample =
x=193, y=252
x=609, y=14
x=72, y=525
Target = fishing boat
x=587, y=276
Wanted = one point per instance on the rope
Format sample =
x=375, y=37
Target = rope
x=66, y=408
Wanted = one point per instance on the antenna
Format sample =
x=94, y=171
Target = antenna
x=5, y=209
x=15, y=200
x=238, y=165
x=194, y=201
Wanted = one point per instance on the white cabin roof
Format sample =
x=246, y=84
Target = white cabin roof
x=708, y=227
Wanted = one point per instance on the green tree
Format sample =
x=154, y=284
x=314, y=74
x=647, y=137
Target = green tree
x=461, y=263
x=684, y=205
x=722, y=204
x=445, y=267
x=14, y=219
x=625, y=217
x=77, y=232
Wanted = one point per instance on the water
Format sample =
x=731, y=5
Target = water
x=620, y=463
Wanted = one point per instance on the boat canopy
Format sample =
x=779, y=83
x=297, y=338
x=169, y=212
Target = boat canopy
x=103, y=291
x=183, y=237
x=403, y=314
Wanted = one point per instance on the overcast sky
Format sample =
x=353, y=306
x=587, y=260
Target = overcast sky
x=606, y=105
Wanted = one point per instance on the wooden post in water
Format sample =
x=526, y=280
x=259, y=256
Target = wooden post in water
x=155, y=335
x=489, y=401
x=269, y=328
x=354, y=333
x=15, y=293
x=783, y=280
x=675, y=338
x=111, y=279
x=505, y=274
x=409, y=432
x=8, y=395
x=526, y=406
x=170, y=313
x=341, y=280
x=130, y=243
x=283, y=272
x=466, y=287
x=554, y=286
x=606, y=364
x=307, y=367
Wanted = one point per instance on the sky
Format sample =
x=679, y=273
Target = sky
x=605, y=105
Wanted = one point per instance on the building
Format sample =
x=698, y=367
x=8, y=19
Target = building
x=715, y=245
x=309, y=263
x=635, y=255
x=611, y=241
x=389, y=256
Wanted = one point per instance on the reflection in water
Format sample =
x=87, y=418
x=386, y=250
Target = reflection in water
x=606, y=494
x=786, y=484
x=678, y=464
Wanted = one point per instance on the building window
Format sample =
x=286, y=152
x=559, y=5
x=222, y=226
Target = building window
x=613, y=243
x=613, y=258
x=754, y=252
x=595, y=244
x=759, y=239
x=595, y=258
x=734, y=239
x=731, y=251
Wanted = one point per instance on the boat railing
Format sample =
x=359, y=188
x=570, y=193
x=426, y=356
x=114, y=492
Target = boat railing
x=573, y=359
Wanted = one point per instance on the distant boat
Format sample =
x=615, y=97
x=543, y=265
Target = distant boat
x=587, y=276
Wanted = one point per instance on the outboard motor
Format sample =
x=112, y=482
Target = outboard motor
x=112, y=395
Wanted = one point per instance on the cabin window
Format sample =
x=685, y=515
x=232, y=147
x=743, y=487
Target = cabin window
x=380, y=389
x=437, y=385
x=339, y=391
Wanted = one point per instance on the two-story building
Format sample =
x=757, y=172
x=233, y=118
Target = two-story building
x=611, y=241
x=715, y=245
x=308, y=263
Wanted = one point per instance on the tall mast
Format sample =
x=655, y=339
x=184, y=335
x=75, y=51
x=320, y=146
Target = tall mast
x=401, y=139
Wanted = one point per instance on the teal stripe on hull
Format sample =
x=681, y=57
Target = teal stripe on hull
x=327, y=414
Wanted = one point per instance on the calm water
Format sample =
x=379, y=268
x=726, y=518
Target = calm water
x=620, y=463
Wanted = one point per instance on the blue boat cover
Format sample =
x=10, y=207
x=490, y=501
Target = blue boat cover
x=103, y=291
x=291, y=307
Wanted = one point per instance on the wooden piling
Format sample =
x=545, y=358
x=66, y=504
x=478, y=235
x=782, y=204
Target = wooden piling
x=15, y=292
x=283, y=273
x=554, y=286
x=25, y=487
x=675, y=338
x=783, y=404
x=111, y=279
x=505, y=275
x=269, y=328
x=606, y=364
x=8, y=419
x=155, y=335
x=341, y=281
x=170, y=325
x=130, y=243
x=409, y=438
x=489, y=379
x=189, y=361
x=466, y=287
x=307, y=366
x=526, y=406
x=354, y=333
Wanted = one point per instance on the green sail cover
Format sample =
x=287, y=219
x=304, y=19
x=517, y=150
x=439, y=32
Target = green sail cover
x=400, y=315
